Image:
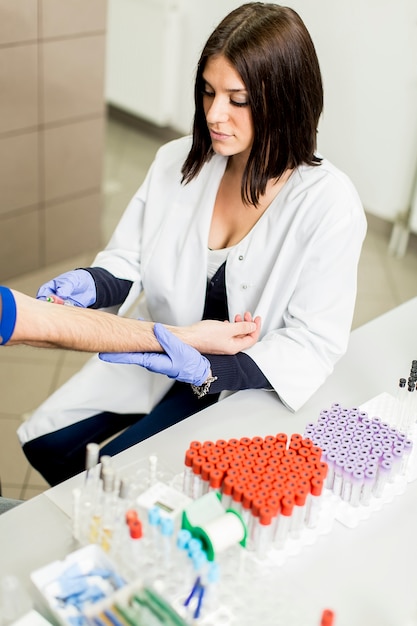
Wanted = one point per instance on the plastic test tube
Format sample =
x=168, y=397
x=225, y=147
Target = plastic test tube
x=283, y=522
x=264, y=531
x=313, y=507
x=358, y=477
x=190, y=454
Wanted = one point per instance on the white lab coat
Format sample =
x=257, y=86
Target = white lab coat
x=296, y=268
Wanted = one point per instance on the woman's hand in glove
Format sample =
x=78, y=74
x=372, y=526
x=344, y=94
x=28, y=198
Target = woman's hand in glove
x=76, y=287
x=179, y=361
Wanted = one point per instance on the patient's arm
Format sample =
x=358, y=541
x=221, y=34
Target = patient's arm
x=47, y=325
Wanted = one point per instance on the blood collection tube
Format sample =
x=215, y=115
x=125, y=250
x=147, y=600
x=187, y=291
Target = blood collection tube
x=246, y=505
x=299, y=511
x=257, y=504
x=369, y=480
x=190, y=454
x=196, y=489
x=347, y=482
x=382, y=477
x=227, y=490
x=408, y=446
x=283, y=522
x=206, y=468
x=264, y=531
x=338, y=475
x=313, y=507
x=358, y=477
x=237, y=495
x=215, y=480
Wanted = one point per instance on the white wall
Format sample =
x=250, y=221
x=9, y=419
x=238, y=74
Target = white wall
x=368, y=55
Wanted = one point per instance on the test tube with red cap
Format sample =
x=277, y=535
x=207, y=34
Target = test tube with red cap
x=190, y=454
x=196, y=479
x=264, y=531
x=314, y=502
x=299, y=511
x=283, y=521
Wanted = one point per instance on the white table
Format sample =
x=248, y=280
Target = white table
x=367, y=575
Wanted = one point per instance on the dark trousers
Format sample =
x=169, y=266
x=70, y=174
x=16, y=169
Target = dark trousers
x=61, y=454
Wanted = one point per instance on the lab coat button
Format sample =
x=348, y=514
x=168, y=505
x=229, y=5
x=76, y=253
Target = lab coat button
x=244, y=286
x=240, y=257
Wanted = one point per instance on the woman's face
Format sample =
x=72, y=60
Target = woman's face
x=228, y=115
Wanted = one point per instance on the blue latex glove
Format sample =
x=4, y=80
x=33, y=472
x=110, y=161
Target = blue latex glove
x=76, y=287
x=180, y=361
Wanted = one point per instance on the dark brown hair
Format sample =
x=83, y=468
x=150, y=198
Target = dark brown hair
x=271, y=49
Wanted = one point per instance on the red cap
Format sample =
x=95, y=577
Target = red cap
x=266, y=515
x=208, y=444
x=245, y=441
x=257, y=504
x=258, y=440
x=195, y=445
x=327, y=618
x=226, y=458
x=316, y=486
x=293, y=476
x=290, y=453
x=216, y=478
x=300, y=496
x=189, y=456
x=227, y=486
x=213, y=458
x=206, y=469
x=221, y=443
x=222, y=466
x=287, y=505
x=135, y=529
x=282, y=438
x=295, y=437
x=197, y=464
x=255, y=447
x=232, y=471
x=268, y=447
x=295, y=445
x=270, y=439
x=233, y=442
x=238, y=491
x=131, y=516
x=306, y=442
x=205, y=451
x=247, y=498
x=323, y=467
x=274, y=503
x=304, y=453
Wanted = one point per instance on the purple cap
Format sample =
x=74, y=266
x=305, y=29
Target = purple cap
x=385, y=465
x=360, y=465
x=358, y=475
x=370, y=473
x=388, y=456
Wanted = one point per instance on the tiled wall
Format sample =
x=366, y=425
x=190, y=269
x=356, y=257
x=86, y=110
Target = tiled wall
x=52, y=115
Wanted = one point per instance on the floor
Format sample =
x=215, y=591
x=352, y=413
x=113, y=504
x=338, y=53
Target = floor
x=29, y=375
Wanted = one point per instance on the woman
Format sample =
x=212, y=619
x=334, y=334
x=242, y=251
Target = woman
x=242, y=216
